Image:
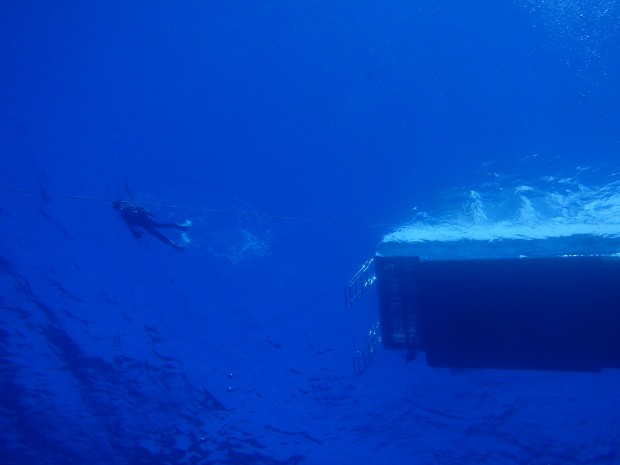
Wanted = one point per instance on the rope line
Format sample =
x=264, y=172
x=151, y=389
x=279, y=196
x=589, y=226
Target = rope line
x=197, y=209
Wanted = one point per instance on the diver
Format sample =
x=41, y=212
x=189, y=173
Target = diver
x=138, y=219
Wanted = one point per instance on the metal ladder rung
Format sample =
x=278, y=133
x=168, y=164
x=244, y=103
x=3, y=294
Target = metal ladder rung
x=362, y=280
x=367, y=351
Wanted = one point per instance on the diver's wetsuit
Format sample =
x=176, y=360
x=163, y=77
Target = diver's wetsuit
x=138, y=218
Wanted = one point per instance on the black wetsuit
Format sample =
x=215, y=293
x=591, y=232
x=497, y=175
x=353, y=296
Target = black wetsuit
x=138, y=219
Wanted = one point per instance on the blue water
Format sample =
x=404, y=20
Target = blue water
x=238, y=350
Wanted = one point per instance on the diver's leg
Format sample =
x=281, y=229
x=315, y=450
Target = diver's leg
x=155, y=233
x=182, y=227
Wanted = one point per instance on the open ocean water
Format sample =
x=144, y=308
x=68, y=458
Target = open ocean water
x=293, y=136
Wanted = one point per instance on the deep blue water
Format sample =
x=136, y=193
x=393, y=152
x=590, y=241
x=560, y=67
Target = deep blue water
x=238, y=350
